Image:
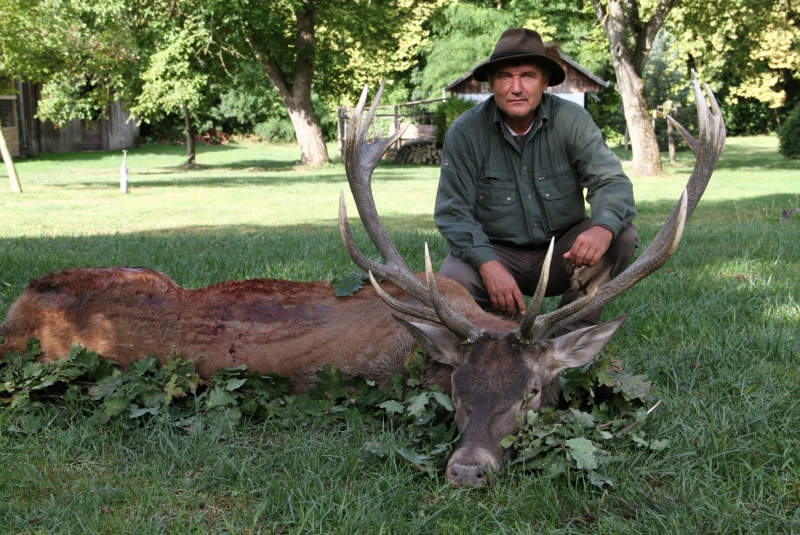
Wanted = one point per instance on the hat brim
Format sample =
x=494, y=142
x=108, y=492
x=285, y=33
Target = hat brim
x=557, y=75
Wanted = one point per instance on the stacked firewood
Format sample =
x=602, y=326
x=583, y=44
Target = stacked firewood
x=421, y=151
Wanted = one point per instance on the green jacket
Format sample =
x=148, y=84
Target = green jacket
x=490, y=191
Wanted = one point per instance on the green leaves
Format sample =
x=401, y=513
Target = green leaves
x=582, y=452
x=349, y=283
x=605, y=404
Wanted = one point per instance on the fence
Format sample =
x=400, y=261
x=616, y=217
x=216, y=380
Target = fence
x=417, y=112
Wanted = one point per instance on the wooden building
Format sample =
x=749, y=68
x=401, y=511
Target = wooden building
x=115, y=129
x=577, y=84
x=9, y=123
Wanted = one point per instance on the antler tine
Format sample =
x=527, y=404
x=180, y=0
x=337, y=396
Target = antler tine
x=452, y=320
x=708, y=150
x=406, y=308
x=528, y=320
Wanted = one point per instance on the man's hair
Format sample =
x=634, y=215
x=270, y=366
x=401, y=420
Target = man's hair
x=550, y=50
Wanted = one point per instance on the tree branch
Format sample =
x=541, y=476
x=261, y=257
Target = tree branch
x=306, y=47
x=272, y=70
x=647, y=35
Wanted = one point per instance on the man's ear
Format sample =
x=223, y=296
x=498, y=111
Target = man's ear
x=441, y=345
x=580, y=347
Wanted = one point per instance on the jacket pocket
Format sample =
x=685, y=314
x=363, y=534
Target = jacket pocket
x=562, y=197
x=496, y=208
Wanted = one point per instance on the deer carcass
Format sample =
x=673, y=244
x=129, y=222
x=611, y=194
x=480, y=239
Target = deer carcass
x=492, y=367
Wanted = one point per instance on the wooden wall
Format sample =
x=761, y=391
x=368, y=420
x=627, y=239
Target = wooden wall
x=9, y=122
x=112, y=132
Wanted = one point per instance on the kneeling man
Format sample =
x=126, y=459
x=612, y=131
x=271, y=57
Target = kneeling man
x=513, y=173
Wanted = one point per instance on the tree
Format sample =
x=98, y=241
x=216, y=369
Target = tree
x=328, y=46
x=147, y=53
x=26, y=48
x=751, y=50
x=177, y=73
x=464, y=35
x=630, y=39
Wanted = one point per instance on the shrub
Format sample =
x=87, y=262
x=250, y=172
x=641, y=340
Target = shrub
x=446, y=113
x=275, y=129
x=789, y=134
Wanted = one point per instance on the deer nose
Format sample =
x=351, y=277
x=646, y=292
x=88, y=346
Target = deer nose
x=468, y=475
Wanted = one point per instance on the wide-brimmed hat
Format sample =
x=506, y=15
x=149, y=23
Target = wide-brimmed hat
x=520, y=43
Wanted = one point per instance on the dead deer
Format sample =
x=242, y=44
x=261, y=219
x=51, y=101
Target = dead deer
x=492, y=367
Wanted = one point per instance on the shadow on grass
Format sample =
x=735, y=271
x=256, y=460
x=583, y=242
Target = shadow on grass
x=258, y=173
x=143, y=150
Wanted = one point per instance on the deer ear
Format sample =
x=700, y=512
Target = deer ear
x=441, y=345
x=580, y=347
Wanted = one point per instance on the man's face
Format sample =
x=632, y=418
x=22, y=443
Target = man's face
x=518, y=91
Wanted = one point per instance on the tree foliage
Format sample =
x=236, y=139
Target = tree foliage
x=93, y=60
x=327, y=47
x=464, y=34
x=751, y=51
x=789, y=135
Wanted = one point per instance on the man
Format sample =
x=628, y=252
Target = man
x=513, y=173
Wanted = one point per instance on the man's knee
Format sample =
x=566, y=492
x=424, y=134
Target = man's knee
x=625, y=243
x=467, y=276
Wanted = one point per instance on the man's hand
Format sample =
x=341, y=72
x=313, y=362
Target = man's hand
x=590, y=246
x=502, y=288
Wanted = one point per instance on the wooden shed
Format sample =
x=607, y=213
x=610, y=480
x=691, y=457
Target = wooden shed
x=9, y=122
x=115, y=129
x=577, y=84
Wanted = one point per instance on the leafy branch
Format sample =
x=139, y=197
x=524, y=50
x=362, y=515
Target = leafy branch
x=601, y=404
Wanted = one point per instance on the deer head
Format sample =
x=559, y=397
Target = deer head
x=499, y=368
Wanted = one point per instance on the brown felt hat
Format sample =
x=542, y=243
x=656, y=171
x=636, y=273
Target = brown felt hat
x=520, y=43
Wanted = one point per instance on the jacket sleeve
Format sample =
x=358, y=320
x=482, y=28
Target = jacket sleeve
x=454, y=212
x=609, y=190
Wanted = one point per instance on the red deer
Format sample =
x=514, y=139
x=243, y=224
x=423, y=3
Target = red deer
x=492, y=367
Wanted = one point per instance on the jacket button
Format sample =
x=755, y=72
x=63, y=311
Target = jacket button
x=546, y=194
x=508, y=198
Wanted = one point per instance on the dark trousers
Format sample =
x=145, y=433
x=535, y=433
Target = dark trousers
x=565, y=279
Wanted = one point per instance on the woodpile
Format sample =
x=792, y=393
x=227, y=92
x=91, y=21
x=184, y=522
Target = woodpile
x=420, y=151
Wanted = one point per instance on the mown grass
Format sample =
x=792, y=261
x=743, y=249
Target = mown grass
x=717, y=329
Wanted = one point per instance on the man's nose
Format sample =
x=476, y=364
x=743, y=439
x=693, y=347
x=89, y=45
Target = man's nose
x=516, y=84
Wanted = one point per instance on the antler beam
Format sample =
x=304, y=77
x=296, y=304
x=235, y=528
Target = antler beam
x=707, y=152
x=361, y=158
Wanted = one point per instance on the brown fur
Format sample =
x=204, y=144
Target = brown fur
x=284, y=327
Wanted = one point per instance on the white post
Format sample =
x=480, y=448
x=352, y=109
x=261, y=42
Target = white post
x=123, y=174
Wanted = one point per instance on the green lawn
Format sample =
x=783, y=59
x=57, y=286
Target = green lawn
x=717, y=330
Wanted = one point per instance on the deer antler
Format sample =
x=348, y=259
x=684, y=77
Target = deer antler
x=707, y=152
x=360, y=160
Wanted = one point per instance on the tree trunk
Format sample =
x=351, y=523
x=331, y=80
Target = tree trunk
x=621, y=21
x=646, y=156
x=187, y=119
x=296, y=95
x=16, y=187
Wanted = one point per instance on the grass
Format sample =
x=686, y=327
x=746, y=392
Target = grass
x=717, y=329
